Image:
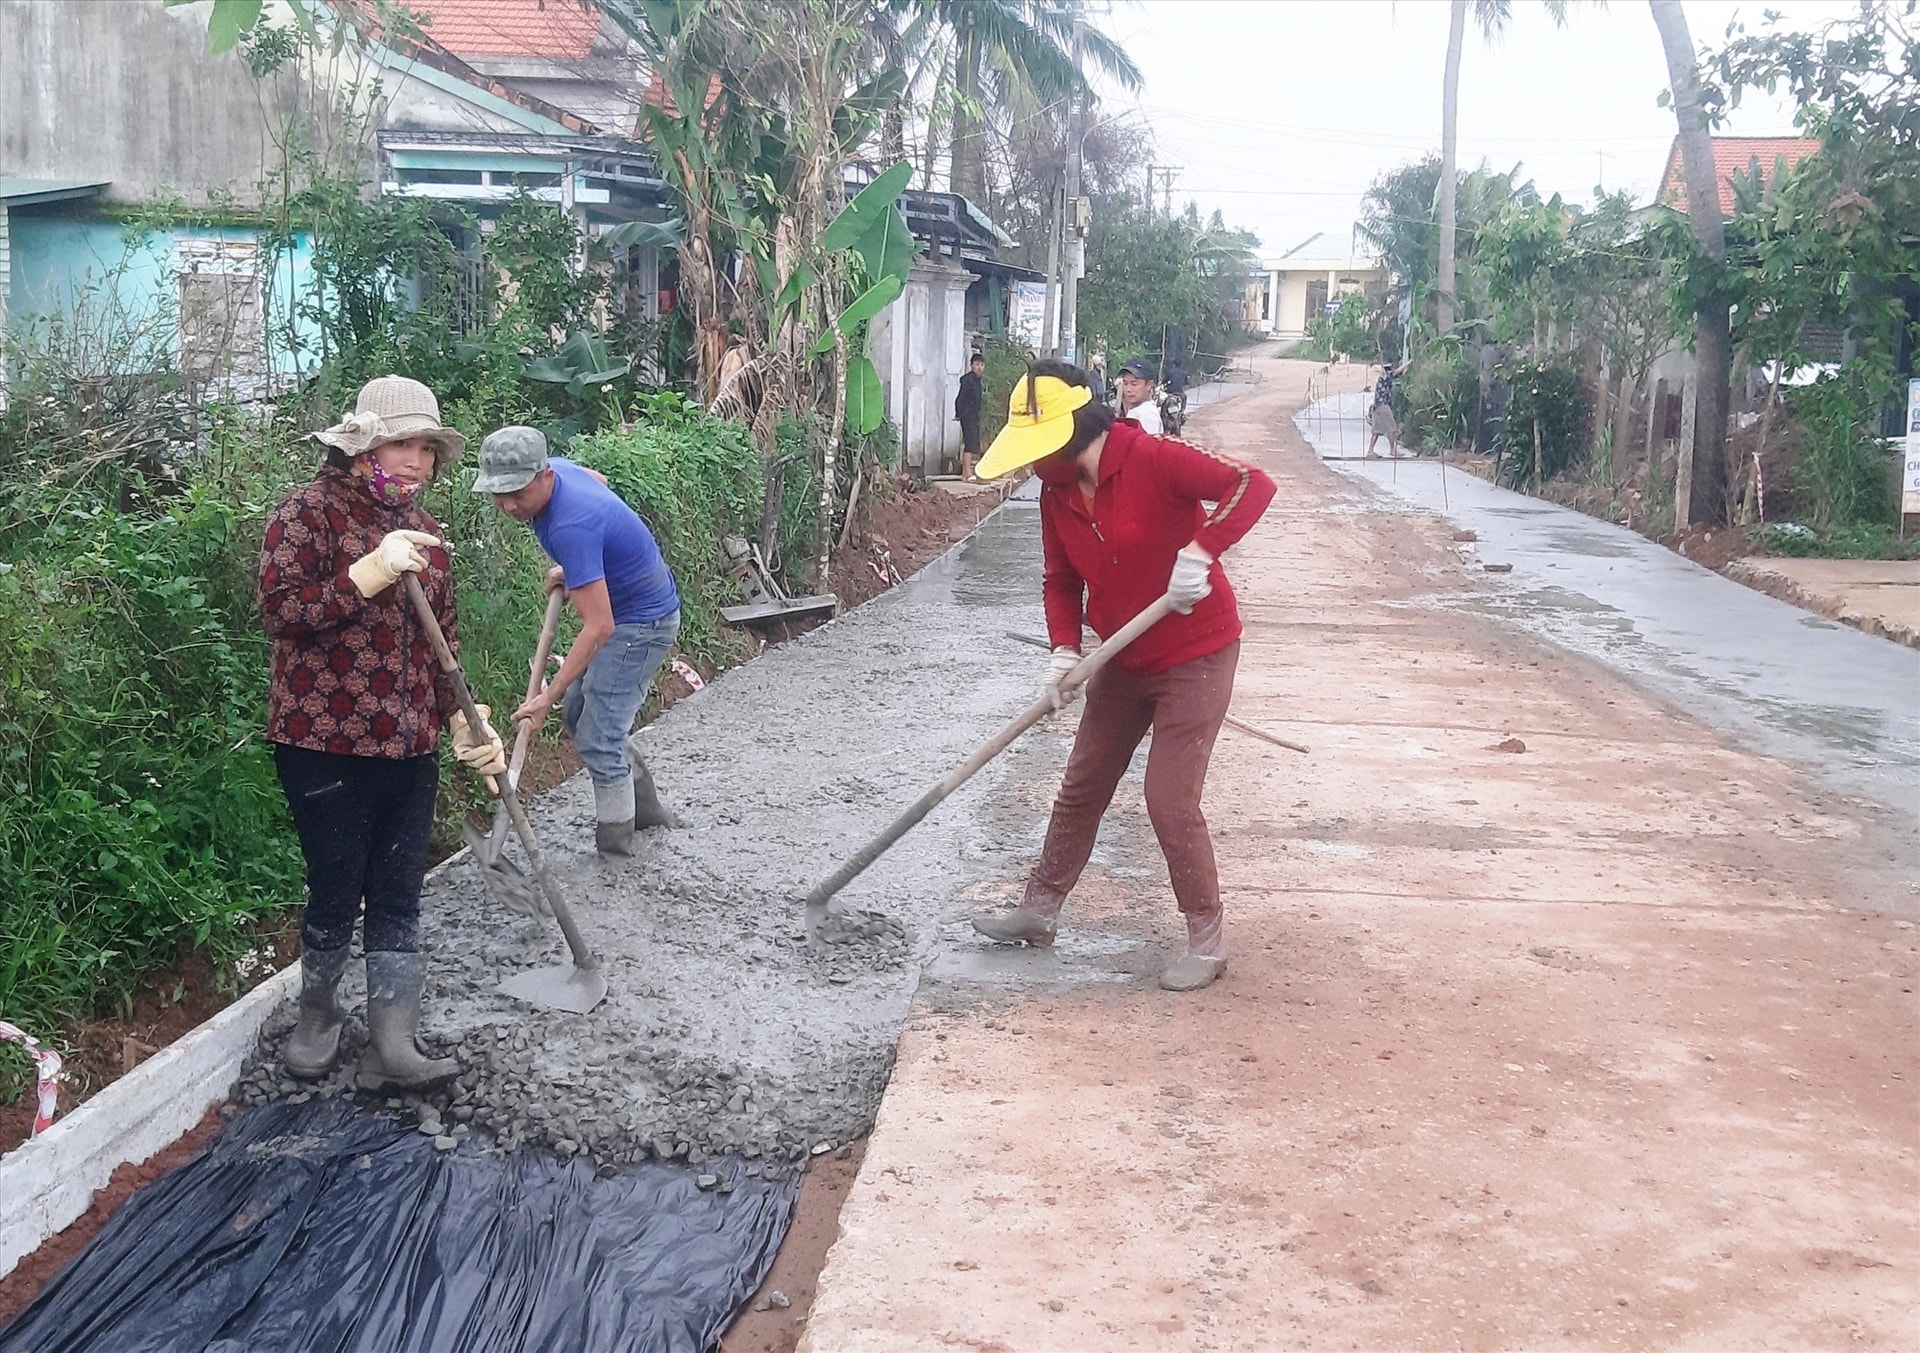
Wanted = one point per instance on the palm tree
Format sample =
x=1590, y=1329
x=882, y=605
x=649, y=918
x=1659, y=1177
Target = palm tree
x=1704, y=490
x=1015, y=54
x=1490, y=17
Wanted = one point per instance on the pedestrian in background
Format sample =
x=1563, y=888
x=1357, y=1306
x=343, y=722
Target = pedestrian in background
x=629, y=608
x=1381, y=419
x=1123, y=521
x=1136, y=395
x=355, y=702
x=966, y=411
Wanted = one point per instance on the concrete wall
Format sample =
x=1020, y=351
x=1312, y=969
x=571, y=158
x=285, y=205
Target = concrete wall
x=919, y=344
x=125, y=90
x=61, y=265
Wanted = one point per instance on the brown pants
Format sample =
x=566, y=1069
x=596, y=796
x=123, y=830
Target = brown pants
x=1184, y=706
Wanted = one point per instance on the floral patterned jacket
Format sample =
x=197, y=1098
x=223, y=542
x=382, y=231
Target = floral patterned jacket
x=351, y=675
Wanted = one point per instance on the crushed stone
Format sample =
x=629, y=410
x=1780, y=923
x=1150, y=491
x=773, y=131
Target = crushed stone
x=725, y=1031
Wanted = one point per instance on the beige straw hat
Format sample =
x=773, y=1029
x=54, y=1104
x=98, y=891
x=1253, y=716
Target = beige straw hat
x=392, y=409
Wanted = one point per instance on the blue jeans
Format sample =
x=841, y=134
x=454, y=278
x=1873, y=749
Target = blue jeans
x=600, y=707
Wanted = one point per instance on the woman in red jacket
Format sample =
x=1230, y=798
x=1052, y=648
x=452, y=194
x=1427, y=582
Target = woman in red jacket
x=354, y=707
x=1123, y=520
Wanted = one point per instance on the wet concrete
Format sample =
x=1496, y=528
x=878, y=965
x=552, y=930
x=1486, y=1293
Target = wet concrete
x=724, y=1031
x=1844, y=704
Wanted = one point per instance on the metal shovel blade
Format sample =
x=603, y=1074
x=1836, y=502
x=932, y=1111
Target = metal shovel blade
x=562, y=987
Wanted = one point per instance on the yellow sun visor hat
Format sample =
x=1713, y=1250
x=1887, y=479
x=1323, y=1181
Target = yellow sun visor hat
x=1039, y=422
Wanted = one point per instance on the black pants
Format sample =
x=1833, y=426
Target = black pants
x=363, y=823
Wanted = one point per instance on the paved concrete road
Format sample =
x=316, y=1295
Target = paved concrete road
x=1789, y=683
x=1606, y=1041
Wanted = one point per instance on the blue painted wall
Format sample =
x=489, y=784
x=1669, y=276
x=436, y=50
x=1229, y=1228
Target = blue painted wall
x=64, y=263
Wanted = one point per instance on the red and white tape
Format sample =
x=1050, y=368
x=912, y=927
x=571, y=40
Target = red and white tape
x=46, y=1064
x=688, y=675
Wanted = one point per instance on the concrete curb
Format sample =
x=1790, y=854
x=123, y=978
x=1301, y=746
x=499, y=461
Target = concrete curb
x=1763, y=579
x=49, y=1180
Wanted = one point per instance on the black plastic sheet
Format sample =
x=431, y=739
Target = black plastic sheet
x=323, y=1227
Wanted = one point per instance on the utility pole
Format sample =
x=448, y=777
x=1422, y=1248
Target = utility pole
x=1049, y=332
x=1076, y=243
x=1149, y=192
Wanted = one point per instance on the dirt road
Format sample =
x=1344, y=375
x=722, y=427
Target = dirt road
x=1610, y=1041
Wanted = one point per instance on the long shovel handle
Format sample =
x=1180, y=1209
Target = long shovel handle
x=549, y=627
x=583, y=957
x=536, y=682
x=959, y=775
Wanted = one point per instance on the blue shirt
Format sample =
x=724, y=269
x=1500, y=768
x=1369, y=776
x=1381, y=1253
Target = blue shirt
x=587, y=530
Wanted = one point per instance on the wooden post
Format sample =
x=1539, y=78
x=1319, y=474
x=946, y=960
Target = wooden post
x=1683, y=477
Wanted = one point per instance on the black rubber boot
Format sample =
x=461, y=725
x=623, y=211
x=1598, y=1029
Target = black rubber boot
x=1035, y=921
x=393, y=1061
x=648, y=811
x=314, y=1045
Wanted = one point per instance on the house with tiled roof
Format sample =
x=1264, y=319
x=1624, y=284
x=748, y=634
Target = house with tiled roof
x=111, y=107
x=1758, y=160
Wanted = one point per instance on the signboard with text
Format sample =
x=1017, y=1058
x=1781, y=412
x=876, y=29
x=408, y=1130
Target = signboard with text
x=1027, y=313
x=1910, y=453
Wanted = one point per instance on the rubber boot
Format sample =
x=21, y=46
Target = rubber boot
x=1205, y=958
x=613, y=819
x=393, y=1060
x=648, y=811
x=314, y=1044
x=1034, y=921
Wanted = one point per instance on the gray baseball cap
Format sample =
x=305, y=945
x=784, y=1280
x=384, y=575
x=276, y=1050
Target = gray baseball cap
x=509, y=459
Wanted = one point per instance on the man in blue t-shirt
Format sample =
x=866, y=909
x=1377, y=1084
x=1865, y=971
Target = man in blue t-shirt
x=629, y=609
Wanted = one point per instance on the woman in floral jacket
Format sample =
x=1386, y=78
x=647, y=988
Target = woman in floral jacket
x=354, y=710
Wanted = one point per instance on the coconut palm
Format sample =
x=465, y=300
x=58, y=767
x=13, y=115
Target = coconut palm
x=1712, y=338
x=1490, y=17
x=1017, y=56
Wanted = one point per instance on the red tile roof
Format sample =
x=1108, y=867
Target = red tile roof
x=1734, y=155
x=556, y=28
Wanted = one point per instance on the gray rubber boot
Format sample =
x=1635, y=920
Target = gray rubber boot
x=1206, y=956
x=1035, y=921
x=393, y=1060
x=648, y=811
x=314, y=1044
x=613, y=819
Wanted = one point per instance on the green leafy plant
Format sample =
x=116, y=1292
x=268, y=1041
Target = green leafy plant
x=1546, y=424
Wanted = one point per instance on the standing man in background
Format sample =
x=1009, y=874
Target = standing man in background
x=1136, y=396
x=629, y=609
x=966, y=411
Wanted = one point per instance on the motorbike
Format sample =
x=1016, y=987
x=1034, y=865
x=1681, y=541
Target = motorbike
x=1173, y=411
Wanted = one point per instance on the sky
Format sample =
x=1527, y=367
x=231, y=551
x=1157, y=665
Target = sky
x=1281, y=112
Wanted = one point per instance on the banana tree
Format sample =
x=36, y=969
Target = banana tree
x=871, y=229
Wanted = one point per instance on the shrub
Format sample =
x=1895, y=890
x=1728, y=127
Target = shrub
x=1841, y=472
x=695, y=479
x=1553, y=397
x=1435, y=400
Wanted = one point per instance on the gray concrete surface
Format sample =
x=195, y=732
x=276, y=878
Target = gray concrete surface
x=724, y=1031
x=1789, y=684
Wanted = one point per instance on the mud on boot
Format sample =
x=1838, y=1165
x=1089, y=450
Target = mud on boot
x=1035, y=921
x=314, y=1045
x=613, y=819
x=393, y=1060
x=648, y=811
x=1206, y=956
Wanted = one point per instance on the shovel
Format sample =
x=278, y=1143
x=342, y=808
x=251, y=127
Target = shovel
x=816, y=901
x=503, y=879
x=576, y=989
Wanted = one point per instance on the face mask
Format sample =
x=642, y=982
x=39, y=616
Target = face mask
x=390, y=490
x=1060, y=468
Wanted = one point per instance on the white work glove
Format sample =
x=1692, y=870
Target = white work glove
x=1189, y=584
x=1064, y=660
x=481, y=752
x=398, y=552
